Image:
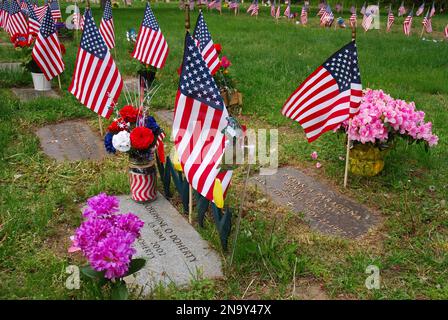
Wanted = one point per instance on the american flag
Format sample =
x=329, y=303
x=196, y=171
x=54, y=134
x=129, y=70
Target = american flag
x=304, y=15
x=40, y=12
x=107, y=26
x=273, y=9
x=321, y=11
x=24, y=6
x=199, y=119
x=55, y=11
x=367, y=21
x=17, y=21
x=277, y=13
x=4, y=15
x=234, y=5
x=433, y=10
x=78, y=19
x=401, y=9
x=151, y=47
x=420, y=10
x=253, y=8
x=427, y=23
x=353, y=17
x=215, y=4
x=390, y=20
x=205, y=42
x=407, y=24
x=329, y=96
x=446, y=31
x=96, y=81
x=287, y=12
x=363, y=9
x=327, y=18
x=47, y=50
x=33, y=21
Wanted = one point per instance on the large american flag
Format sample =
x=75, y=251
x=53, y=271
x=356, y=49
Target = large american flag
x=47, y=50
x=40, y=12
x=55, y=10
x=420, y=10
x=407, y=23
x=330, y=95
x=390, y=20
x=304, y=15
x=427, y=23
x=96, y=81
x=33, y=21
x=107, y=26
x=151, y=47
x=199, y=119
x=205, y=42
x=17, y=21
x=367, y=21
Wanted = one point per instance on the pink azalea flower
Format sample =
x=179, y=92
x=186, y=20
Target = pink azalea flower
x=225, y=63
x=318, y=165
x=314, y=155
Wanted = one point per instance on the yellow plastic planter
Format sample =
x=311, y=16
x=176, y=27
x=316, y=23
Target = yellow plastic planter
x=366, y=160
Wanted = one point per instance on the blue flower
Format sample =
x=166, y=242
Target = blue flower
x=108, y=142
x=151, y=123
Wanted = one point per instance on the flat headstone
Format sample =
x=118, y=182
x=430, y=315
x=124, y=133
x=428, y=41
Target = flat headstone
x=6, y=44
x=173, y=249
x=11, y=66
x=325, y=209
x=29, y=94
x=166, y=116
x=71, y=141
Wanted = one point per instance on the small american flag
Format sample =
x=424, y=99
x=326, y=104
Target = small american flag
x=390, y=20
x=321, y=11
x=151, y=47
x=273, y=9
x=96, y=81
x=78, y=19
x=107, y=26
x=234, y=5
x=304, y=15
x=363, y=9
x=55, y=11
x=401, y=9
x=427, y=23
x=338, y=7
x=407, y=24
x=353, y=17
x=205, y=42
x=446, y=31
x=420, y=10
x=4, y=15
x=253, y=8
x=215, y=4
x=287, y=12
x=24, y=6
x=33, y=21
x=367, y=21
x=17, y=21
x=277, y=13
x=327, y=18
x=47, y=50
x=433, y=10
x=199, y=119
x=40, y=12
x=329, y=96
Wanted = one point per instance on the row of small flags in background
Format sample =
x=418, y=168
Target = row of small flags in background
x=330, y=95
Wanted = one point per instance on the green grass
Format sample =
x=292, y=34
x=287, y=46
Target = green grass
x=40, y=198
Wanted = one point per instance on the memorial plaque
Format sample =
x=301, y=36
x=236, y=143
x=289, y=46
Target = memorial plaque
x=29, y=94
x=11, y=66
x=325, y=210
x=166, y=116
x=173, y=249
x=71, y=140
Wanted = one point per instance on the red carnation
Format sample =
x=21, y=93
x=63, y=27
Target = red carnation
x=117, y=126
x=141, y=138
x=129, y=113
x=218, y=47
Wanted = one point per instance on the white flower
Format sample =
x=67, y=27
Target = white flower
x=122, y=141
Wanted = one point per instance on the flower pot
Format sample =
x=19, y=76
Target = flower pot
x=40, y=82
x=366, y=160
x=143, y=178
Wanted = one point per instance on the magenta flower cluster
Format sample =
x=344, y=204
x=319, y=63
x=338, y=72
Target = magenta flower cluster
x=106, y=238
x=381, y=116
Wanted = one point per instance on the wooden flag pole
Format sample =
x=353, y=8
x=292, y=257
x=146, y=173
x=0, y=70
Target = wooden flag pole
x=190, y=189
x=347, y=154
x=59, y=81
x=100, y=122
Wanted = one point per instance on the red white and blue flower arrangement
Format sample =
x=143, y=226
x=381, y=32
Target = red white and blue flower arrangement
x=106, y=239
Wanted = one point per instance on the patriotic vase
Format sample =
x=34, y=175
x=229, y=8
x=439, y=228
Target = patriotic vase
x=366, y=160
x=143, y=179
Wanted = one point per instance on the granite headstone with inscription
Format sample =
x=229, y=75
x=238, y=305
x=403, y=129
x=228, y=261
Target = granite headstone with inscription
x=326, y=210
x=173, y=249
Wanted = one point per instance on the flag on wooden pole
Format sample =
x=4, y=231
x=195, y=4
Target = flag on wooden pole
x=107, y=26
x=329, y=96
x=96, y=82
x=206, y=45
x=17, y=23
x=407, y=23
x=390, y=20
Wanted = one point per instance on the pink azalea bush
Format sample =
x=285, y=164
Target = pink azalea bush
x=106, y=238
x=382, y=117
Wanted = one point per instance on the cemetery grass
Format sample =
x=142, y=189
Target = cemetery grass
x=39, y=204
